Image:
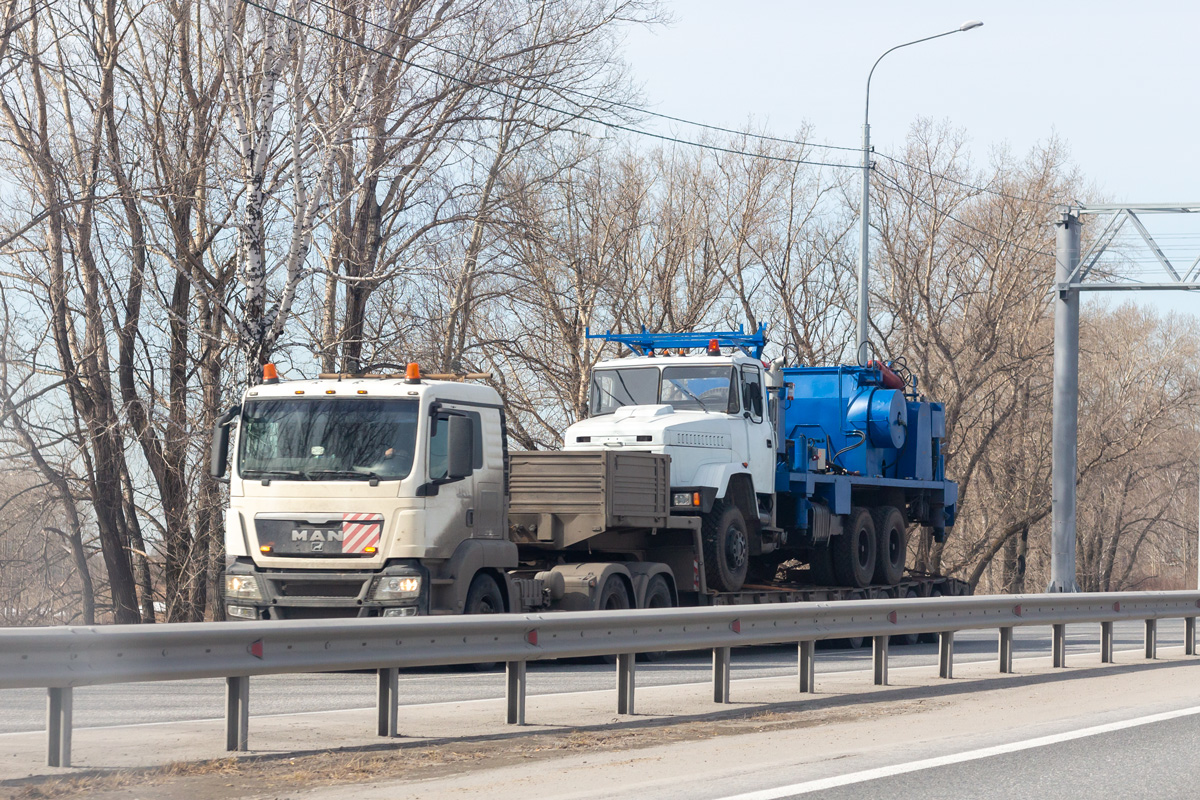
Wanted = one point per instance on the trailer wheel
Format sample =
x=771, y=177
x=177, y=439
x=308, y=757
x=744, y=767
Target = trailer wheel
x=907, y=638
x=891, y=544
x=726, y=548
x=854, y=550
x=613, y=597
x=484, y=597
x=930, y=638
x=658, y=595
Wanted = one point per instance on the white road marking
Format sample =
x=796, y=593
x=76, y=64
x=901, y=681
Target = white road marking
x=531, y=694
x=971, y=755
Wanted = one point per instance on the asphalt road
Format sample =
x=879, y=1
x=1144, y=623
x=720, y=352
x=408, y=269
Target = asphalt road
x=130, y=704
x=1138, y=760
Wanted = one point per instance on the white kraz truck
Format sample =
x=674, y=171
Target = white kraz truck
x=392, y=494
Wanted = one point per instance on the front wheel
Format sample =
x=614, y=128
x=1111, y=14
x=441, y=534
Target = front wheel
x=726, y=548
x=484, y=597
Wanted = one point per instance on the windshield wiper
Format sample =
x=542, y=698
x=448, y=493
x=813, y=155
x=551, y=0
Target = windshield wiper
x=688, y=392
x=341, y=473
x=273, y=473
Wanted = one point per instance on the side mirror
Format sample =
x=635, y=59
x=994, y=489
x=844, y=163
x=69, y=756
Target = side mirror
x=218, y=457
x=460, y=447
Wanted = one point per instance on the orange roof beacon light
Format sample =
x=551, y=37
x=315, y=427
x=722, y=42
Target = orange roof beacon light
x=413, y=373
x=714, y=349
x=270, y=374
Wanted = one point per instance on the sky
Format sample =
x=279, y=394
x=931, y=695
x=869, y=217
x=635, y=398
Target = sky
x=1115, y=80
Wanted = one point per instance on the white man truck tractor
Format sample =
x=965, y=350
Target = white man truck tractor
x=702, y=475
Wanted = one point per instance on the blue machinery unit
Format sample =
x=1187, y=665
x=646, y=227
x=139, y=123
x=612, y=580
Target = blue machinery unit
x=852, y=430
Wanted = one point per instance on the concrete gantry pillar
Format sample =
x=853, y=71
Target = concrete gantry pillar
x=1065, y=431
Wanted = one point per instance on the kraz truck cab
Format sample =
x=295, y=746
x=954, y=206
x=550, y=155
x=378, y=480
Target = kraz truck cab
x=711, y=412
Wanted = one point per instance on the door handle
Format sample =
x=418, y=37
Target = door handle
x=470, y=517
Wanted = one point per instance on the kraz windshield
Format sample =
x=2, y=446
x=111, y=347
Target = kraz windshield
x=327, y=439
x=694, y=388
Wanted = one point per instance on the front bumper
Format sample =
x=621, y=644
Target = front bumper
x=319, y=594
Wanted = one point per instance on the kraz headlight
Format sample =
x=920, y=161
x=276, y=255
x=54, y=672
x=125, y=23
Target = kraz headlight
x=398, y=587
x=242, y=587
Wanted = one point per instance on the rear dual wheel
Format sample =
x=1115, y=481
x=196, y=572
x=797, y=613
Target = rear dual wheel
x=853, y=551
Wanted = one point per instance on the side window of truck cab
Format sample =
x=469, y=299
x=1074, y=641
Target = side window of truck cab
x=439, y=438
x=752, y=392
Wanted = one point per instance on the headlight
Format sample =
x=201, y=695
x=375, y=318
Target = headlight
x=242, y=587
x=407, y=587
x=685, y=499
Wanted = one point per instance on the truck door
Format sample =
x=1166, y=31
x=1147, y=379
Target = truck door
x=452, y=515
x=759, y=432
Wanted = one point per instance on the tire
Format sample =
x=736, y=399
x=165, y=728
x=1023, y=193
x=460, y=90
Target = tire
x=853, y=551
x=658, y=595
x=484, y=597
x=820, y=567
x=853, y=642
x=613, y=597
x=891, y=544
x=907, y=638
x=726, y=548
x=930, y=638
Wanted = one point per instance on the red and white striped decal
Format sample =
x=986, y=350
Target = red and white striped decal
x=360, y=531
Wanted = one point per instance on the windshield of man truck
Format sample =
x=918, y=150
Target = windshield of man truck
x=632, y=386
x=327, y=439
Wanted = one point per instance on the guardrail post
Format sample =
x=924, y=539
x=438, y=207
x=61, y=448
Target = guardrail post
x=1059, y=647
x=237, y=712
x=806, y=662
x=1151, y=638
x=387, y=700
x=1189, y=636
x=879, y=655
x=625, y=675
x=58, y=727
x=1006, y=649
x=720, y=675
x=946, y=654
x=1106, y=642
x=514, y=692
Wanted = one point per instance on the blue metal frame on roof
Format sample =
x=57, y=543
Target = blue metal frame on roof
x=644, y=342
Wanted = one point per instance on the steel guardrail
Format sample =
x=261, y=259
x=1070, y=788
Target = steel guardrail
x=62, y=658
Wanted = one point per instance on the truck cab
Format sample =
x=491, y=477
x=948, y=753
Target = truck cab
x=362, y=496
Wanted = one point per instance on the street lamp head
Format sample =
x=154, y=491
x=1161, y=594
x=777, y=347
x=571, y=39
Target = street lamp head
x=969, y=24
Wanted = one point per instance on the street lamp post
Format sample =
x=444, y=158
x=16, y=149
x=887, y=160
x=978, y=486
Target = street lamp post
x=863, y=301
